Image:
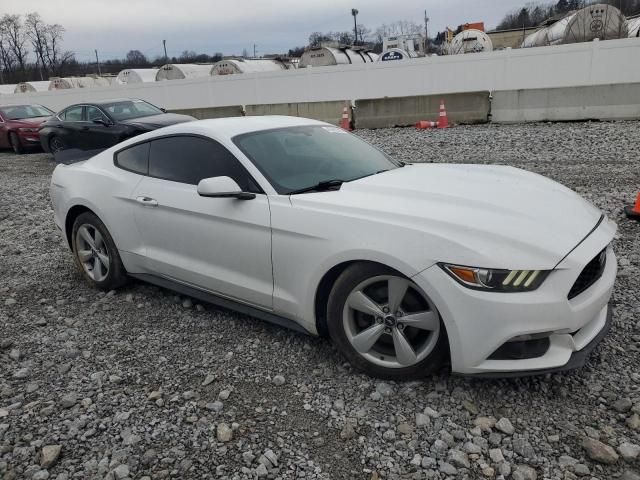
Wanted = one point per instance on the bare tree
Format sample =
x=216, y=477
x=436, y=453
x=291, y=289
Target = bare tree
x=56, y=57
x=364, y=33
x=16, y=39
x=7, y=59
x=188, y=56
x=36, y=31
x=136, y=58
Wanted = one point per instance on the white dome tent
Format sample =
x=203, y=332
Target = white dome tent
x=77, y=82
x=325, y=56
x=181, y=71
x=136, y=75
x=601, y=21
x=233, y=66
x=633, y=25
x=8, y=89
x=40, y=86
x=470, y=41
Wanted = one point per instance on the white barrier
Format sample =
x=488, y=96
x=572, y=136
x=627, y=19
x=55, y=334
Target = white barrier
x=594, y=63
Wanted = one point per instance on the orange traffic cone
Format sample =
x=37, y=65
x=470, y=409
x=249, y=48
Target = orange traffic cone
x=424, y=124
x=443, y=122
x=633, y=211
x=345, y=123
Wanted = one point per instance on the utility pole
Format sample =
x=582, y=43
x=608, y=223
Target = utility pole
x=164, y=44
x=426, y=33
x=98, y=62
x=354, y=12
x=254, y=50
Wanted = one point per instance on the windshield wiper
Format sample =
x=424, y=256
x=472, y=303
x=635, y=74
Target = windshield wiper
x=319, y=187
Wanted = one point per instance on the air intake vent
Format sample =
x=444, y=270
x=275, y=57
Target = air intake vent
x=590, y=275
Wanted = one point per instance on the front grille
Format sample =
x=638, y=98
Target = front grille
x=589, y=275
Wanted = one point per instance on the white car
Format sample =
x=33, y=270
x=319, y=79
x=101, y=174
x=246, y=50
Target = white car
x=490, y=270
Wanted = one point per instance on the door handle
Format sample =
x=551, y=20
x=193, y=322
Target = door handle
x=146, y=201
x=85, y=128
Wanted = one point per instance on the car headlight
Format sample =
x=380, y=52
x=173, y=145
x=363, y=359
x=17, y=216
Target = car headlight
x=496, y=280
x=28, y=129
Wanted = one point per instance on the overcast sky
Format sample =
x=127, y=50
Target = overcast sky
x=229, y=26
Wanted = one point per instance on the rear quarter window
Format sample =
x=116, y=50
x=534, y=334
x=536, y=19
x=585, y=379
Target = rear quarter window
x=134, y=159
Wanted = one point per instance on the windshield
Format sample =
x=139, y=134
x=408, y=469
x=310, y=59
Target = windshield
x=18, y=112
x=297, y=158
x=128, y=109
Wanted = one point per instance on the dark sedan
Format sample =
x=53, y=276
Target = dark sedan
x=102, y=124
x=19, y=125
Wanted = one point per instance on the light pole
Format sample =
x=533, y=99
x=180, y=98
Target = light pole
x=354, y=12
x=98, y=63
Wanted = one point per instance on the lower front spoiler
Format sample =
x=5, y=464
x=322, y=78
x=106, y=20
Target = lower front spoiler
x=577, y=359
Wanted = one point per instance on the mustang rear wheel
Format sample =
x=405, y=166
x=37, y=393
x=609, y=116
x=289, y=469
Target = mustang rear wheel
x=384, y=324
x=96, y=254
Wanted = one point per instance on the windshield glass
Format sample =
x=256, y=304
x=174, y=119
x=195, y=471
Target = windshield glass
x=128, y=109
x=296, y=158
x=17, y=112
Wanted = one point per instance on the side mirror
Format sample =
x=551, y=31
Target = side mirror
x=222, y=187
x=163, y=109
x=101, y=121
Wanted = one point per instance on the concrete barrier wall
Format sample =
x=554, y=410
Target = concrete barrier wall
x=580, y=64
x=598, y=102
x=211, y=112
x=465, y=108
x=330, y=112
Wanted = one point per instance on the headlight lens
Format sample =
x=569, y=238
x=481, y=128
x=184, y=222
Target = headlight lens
x=28, y=129
x=496, y=280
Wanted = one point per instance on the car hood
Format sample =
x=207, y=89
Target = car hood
x=29, y=122
x=477, y=215
x=157, y=121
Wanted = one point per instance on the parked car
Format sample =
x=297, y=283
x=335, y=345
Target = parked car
x=102, y=124
x=407, y=267
x=19, y=125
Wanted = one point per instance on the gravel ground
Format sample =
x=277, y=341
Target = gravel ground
x=141, y=383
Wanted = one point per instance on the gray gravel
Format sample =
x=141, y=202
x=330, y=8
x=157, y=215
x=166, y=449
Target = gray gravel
x=142, y=383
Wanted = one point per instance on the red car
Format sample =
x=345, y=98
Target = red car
x=19, y=125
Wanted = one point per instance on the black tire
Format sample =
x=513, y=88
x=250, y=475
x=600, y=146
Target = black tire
x=56, y=144
x=16, y=144
x=344, y=285
x=116, y=275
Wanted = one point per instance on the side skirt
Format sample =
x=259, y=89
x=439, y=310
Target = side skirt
x=220, y=301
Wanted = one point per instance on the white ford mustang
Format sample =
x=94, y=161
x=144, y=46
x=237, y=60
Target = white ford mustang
x=492, y=270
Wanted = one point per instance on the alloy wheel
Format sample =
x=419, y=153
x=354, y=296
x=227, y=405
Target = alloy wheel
x=92, y=252
x=390, y=322
x=56, y=145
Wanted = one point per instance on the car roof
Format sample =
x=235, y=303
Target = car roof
x=106, y=102
x=233, y=126
x=10, y=105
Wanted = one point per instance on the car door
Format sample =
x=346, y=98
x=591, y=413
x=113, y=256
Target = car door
x=222, y=245
x=99, y=131
x=69, y=127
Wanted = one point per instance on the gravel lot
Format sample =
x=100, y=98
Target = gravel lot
x=141, y=383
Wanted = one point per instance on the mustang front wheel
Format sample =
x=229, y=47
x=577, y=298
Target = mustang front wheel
x=96, y=254
x=384, y=324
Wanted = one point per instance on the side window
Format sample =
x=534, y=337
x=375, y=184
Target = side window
x=73, y=114
x=190, y=159
x=134, y=159
x=94, y=113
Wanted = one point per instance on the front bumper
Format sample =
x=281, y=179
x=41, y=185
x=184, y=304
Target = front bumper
x=577, y=359
x=478, y=322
